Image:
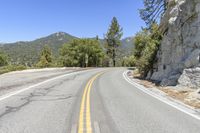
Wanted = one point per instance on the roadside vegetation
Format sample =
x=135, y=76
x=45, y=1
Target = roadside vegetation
x=82, y=53
x=10, y=68
x=147, y=44
x=129, y=61
x=147, y=41
x=5, y=66
x=3, y=59
x=46, y=59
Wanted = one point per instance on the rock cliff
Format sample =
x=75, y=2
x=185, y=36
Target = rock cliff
x=179, y=54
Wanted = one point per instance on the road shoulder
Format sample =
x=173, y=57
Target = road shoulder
x=163, y=97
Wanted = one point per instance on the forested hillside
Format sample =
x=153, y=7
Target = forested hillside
x=27, y=53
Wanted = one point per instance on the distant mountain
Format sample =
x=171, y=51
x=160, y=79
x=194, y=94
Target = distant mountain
x=127, y=45
x=27, y=52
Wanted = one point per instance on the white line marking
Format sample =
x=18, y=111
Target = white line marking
x=179, y=107
x=38, y=84
x=96, y=127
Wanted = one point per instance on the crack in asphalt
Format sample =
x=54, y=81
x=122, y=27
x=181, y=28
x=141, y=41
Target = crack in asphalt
x=38, y=92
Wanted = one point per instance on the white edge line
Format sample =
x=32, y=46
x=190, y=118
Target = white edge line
x=166, y=101
x=38, y=84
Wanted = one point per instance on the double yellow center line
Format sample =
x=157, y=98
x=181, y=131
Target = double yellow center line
x=84, y=116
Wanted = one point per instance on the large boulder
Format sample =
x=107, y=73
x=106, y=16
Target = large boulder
x=190, y=78
x=193, y=59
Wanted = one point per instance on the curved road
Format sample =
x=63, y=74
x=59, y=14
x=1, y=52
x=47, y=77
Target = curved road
x=91, y=101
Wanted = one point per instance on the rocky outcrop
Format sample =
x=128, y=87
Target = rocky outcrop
x=190, y=78
x=180, y=48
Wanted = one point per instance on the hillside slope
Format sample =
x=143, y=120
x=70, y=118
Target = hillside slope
x=27, y=53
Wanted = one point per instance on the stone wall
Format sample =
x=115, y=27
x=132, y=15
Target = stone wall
x=180, y=47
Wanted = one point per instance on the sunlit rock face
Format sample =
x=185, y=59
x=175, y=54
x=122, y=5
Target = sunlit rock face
x=180, y=47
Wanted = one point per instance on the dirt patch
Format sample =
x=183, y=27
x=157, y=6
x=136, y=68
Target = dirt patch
x=182, y=94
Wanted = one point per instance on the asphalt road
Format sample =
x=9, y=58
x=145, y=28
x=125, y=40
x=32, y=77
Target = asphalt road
x=90, y=102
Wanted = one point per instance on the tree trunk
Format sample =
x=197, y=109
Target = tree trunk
x=114, y=62
x=114, y=57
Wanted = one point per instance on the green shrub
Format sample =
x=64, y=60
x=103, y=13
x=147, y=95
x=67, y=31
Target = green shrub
x=82, y=53
x=45, y=57
x=3, y=59
x=10, y=68
x=147, y=43
x=129, y=61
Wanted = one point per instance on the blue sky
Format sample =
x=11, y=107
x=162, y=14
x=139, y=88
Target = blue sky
x=25, y=20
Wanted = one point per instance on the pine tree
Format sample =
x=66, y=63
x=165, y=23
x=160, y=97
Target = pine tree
x=45, y=57
x=3, y=59
x=152, y=10
x=112, y=39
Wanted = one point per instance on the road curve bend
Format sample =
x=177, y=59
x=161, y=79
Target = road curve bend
x=94, y=101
